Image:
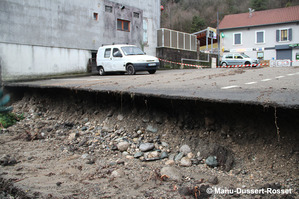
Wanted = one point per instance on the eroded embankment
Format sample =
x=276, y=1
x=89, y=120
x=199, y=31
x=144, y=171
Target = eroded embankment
x=66, y=132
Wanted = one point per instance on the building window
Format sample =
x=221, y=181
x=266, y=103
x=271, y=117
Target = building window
x=123, y=25
x=237, y=38
x=136, y=14
x=284, y=35
x=260, y=37
x=108, y=9
x=95, y=16
x=107, y=53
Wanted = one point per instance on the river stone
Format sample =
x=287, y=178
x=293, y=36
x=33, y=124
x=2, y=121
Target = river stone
x=178, y=157
x=212, y=161
x=150, y=156
x=117, y=173
x=185, y=162
x=152, y=129
x=138, y=154
x=185, y=149
x=169, y=162
x=123, y=146
x=172, y=173
x=164, y=154
x=146, y=147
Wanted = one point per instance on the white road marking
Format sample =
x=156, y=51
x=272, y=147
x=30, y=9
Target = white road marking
x=248, y=83
x=85, y=79
x=265, y=80
x=291, y=74
x=228, y=87
x=280, y=77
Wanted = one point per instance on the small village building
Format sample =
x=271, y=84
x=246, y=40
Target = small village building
x=266, y=35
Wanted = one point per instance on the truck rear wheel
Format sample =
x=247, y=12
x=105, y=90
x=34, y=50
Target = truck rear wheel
x=101, y=71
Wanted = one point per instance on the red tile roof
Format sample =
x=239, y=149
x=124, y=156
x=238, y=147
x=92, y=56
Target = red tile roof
x=265, y=17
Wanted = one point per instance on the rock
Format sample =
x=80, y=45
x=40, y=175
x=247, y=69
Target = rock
x=138, y=154
x=203, y=191
x=172, y=156
x=84, y=128
x=152, y=129
x=164, y=144
x=185, y=162
x=85, y=120
x=84, y=156
x=190, y=155
x=178, y=157
x=146, y=147
x=129, y=157
x=185, y=149
x=117, y=173
x=7, y=160
x=90, y=161
x=120, y=117
x=73, y=136
x=123, y=146
x=150, y=156
x=169, y=162
x=225, y=157
x=164, y=154
x=111, y=112
x=213, y=180
x=212, y=161
x=172, y=173
x=145, y=119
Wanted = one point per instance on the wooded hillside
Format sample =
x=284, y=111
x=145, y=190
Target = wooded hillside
x=195, y=15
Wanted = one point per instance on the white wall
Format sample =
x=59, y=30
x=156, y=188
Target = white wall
x=24, y=61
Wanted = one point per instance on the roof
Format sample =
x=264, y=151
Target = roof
x=260, y=18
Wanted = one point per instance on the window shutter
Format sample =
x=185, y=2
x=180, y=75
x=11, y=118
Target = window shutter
x=290, y=34
x=277, y=35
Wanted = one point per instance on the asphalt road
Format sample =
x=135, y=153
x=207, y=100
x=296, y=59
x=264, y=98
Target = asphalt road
x=277, y=87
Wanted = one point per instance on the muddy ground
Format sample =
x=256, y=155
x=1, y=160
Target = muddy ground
x=76, y=144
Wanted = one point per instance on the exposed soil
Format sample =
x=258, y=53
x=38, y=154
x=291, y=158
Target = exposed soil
x=75, y=144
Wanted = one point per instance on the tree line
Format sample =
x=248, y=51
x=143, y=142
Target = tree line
x=195, y=15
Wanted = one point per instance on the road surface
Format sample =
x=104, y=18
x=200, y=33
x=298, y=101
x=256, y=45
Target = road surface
x=277, y=87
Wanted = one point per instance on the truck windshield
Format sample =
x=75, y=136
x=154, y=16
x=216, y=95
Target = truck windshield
x=132, y=50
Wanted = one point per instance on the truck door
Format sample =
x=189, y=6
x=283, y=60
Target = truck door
x=117, y=60
x=107, y=61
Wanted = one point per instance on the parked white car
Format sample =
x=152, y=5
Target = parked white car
x=237, y=59
x=125, y=59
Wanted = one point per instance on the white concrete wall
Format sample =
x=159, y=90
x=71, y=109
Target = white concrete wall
x=25, y=61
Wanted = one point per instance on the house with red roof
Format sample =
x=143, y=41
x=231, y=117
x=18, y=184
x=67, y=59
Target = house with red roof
x=266, y=35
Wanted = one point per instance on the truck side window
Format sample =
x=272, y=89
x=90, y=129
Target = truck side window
x=107, y=53
x=116, y=52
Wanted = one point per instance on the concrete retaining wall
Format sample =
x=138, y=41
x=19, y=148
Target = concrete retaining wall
x=27, y=62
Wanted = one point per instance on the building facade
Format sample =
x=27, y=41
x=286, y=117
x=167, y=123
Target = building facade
x=266, y=35
x=45, y=38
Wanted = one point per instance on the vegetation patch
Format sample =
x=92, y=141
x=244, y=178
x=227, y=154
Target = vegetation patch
x=8, y=119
